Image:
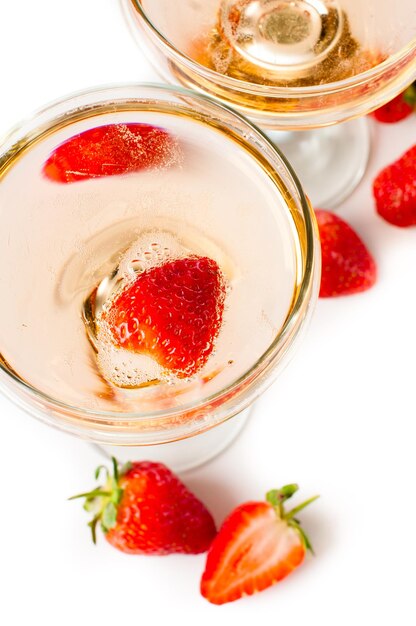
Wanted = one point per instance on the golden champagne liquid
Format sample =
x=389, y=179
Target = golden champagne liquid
x=59, y=242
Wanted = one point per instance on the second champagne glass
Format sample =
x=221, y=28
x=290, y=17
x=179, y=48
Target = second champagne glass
x=290, y=65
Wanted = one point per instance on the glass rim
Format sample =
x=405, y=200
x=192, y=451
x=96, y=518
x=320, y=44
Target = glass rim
x=270, y=90
x=96, y=417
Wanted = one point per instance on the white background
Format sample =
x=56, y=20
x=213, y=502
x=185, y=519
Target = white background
x=340, y=420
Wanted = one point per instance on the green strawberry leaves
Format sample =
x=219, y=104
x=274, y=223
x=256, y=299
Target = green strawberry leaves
x=103, y=502
x=277, y=498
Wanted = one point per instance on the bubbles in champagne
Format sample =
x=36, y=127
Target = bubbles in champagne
x=121, y=367
x=86, y=242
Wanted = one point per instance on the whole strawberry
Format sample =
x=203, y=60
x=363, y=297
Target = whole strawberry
x=145, y=509
x=347, y=265
x=258, y=545
x=399, y=108
x=395, y=191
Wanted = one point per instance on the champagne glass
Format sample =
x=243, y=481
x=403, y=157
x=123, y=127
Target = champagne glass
x=76, y=234
x=306, y=71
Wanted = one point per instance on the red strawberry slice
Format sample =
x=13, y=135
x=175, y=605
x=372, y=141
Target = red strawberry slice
x=172, y=312
x=258, y=545
x=111, y=150
x=143, y=508
x=397, y=109
x=347, y=265
x=395, y=191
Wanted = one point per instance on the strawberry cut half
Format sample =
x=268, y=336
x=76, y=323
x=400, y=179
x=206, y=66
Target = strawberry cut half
x=172, y=313
x=111, y=150
x=258, y=545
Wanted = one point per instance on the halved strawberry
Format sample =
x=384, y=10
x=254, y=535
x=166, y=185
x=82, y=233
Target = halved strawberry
x=397, y=109
x=110, y=150
x=395, y=191
x=347, y=265
x=172, y=312
x=258, y=545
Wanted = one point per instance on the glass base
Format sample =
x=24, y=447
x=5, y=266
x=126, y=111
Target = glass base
x=330, y=162
x=186, y=454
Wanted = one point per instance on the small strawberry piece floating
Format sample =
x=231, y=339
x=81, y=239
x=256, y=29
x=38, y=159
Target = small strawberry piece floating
x=258, y=545
x=401, y=107
x=145, y=509
x=394, y=191
x=347, y=265
x=172, y=313
x=111, y=150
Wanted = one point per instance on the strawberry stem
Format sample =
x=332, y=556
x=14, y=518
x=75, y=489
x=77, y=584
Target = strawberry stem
x=304, y=538
x=93, y=525
x=277, y=498
x=102, y=502
x=300, y=507
x=115, y=469
x=410, y=95
x=98, y=472
x=108, y=517
x=91, y=494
